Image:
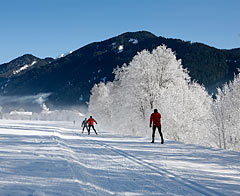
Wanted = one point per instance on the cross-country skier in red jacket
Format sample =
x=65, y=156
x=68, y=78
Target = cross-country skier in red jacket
x=91, y=122
x=155, y=119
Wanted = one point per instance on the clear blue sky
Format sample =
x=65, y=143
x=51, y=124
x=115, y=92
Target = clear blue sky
x=51, y=27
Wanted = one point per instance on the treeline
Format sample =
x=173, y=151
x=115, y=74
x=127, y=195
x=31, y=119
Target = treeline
x=158, y=80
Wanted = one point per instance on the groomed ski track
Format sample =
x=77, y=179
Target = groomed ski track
x=55, y=158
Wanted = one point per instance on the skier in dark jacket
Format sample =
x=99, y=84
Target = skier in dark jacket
x=91, y=122
x=84, y=124
x=155, y=120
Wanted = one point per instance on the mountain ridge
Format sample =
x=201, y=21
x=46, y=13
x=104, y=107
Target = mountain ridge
x=69, y=79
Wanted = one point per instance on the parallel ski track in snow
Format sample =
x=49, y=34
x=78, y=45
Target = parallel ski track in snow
x=190, y=185
x=148, y=181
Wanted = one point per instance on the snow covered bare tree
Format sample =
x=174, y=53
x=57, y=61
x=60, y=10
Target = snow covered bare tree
x=226, y=115
x=148, y=74
x=155, y=80
x=100, y=103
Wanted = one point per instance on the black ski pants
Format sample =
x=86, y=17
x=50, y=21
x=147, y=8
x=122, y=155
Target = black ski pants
x=93, y=129
x=84, y=126
x=160, y=133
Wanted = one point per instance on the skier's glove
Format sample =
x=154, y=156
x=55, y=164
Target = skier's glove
x=150, y=126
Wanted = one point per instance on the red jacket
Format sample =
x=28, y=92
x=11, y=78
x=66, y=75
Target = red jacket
x=91, y=121
x=156, y=119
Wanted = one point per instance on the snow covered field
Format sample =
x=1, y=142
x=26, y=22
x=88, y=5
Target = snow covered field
x=54, y=158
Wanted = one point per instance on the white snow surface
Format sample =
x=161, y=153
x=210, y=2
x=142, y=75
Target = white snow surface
x=24, y=67
x=64, y=54
x=120, y=48
x=21, y=113
x=134, y=41
x=40, y=158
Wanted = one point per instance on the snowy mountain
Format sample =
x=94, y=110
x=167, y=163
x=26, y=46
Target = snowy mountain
x=21, y=65
x=70, y=78
x=63, y=54
x=54, y=158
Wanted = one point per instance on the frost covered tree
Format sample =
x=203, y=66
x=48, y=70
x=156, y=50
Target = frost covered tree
x=154, y=80
x=149, y=73
x=226, y=115
x=186, y=109
x=100, y=103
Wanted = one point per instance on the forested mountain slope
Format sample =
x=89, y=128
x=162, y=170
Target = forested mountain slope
x=69, y=79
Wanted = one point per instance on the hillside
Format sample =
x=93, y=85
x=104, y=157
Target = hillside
x=54, y=158
x=69, y=79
